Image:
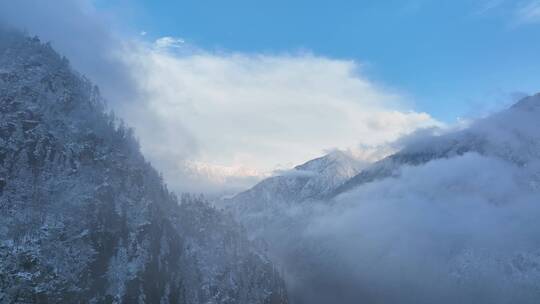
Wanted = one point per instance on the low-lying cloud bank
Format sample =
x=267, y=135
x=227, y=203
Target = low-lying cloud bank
x=460, y=230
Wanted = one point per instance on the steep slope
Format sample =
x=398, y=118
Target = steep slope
x=85, y=219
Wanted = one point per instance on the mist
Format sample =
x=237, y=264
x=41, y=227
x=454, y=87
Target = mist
x=458, y=230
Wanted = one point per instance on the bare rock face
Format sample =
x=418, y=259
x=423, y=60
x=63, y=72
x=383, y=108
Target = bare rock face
x=85, y=219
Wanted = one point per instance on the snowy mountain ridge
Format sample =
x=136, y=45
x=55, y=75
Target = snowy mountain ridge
x=312, y=180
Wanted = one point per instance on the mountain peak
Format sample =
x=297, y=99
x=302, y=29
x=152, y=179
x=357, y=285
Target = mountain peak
x=333, y=160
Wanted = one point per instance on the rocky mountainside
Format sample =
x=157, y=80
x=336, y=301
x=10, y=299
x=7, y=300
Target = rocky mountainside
x=85, y=219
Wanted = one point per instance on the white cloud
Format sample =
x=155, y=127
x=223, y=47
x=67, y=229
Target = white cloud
x=168, y=42
x=258, y=112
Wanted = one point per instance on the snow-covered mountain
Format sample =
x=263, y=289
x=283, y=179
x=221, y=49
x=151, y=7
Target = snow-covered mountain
x=85, y=219
x=312, y=180
x=449, y=218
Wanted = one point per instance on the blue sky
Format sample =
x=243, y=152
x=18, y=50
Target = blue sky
x=452, y=58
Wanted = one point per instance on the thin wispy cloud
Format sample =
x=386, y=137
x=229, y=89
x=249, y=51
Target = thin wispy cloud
x=489, y=5
x=517, y=13
x=528, y=13
x=168, y=42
